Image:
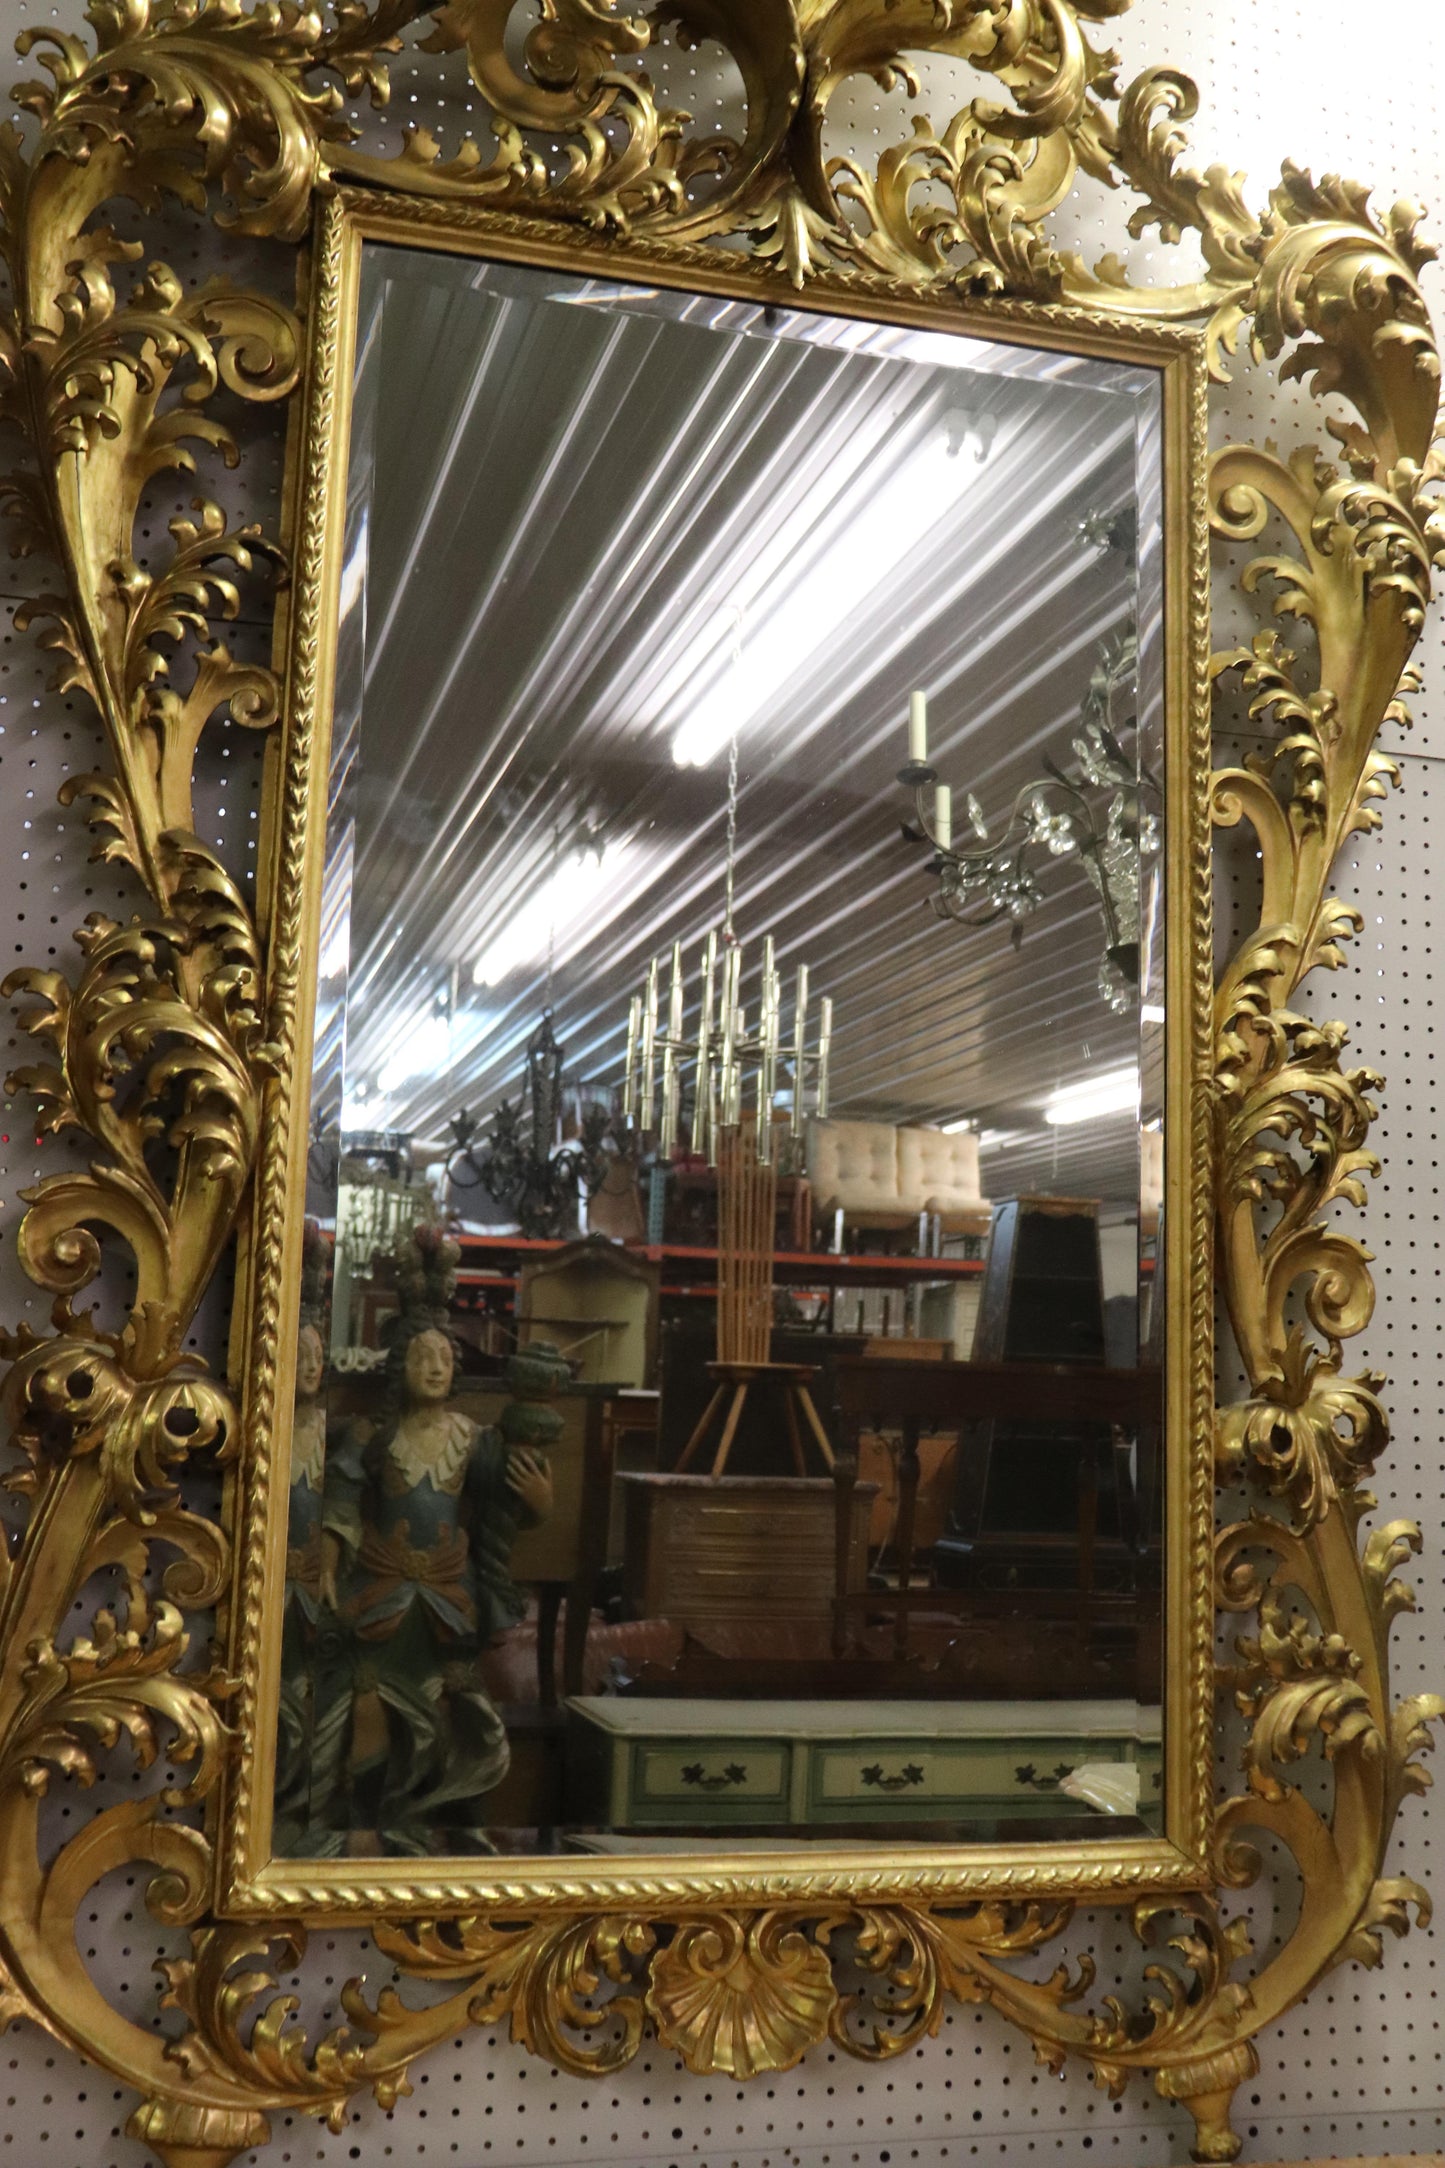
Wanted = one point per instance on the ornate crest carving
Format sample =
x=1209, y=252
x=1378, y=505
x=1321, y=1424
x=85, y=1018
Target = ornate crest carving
x=162, y=1044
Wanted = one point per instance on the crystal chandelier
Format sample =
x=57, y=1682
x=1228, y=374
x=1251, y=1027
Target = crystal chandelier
x=1097, y=811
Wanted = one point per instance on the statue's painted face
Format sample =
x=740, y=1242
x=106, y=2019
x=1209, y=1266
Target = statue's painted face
x=429, y=1363
x=310, y=1363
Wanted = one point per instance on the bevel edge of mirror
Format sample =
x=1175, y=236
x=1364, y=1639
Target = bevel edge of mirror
x=251, y=1880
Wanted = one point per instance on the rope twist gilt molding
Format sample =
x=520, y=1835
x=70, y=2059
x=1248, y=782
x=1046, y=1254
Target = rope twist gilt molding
x=162, y=1047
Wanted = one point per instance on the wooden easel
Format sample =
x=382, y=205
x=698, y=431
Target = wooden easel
x=747, y=1209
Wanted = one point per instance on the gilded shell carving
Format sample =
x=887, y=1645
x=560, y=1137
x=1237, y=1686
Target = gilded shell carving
x=741, y=1995
x=168, y=1043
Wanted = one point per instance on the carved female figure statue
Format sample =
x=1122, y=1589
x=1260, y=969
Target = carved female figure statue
x=421, y=1510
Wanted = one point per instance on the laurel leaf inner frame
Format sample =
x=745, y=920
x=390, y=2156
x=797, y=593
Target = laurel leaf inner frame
x=107, y=380
x=1100, y=1867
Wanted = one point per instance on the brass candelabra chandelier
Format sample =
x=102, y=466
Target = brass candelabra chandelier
x=728, y=1052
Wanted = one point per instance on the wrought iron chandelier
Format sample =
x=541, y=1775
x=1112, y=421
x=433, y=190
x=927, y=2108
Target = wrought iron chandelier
x=522, y=1168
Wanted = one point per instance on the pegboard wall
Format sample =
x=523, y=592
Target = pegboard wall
x=1358, y=2070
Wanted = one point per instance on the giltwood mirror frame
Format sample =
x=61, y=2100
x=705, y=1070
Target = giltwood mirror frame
x=267, y=1315
x=181, y=1028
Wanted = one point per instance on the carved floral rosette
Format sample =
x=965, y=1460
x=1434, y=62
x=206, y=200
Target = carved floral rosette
x=163, y=1045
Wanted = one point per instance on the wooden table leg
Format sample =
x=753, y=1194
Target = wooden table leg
x=704, y=1426
x=795, y=1436
x=598, y=1452
x=903, y=1533
x=816, y=1426
x=845, y=1479
x=549, y=1608
x=1088, y=1533
x=725, y=1443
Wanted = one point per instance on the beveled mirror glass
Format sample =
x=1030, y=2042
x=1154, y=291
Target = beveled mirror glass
x=734, y=1311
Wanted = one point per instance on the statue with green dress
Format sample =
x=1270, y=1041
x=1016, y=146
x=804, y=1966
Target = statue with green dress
x=419, y=1510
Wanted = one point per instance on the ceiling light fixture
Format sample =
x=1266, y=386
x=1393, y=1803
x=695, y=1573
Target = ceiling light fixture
x=776, y=622
x=1116, y=1091
x=725, y=1051
x=562, y=906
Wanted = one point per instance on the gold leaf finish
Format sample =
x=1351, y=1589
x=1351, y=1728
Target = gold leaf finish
x=740, y=1995
x=173, y=1047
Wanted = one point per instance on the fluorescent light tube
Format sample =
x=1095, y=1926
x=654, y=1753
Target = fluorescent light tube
x=1114, y=1092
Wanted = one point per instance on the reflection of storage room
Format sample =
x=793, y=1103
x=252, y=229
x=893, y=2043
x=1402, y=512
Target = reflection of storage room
x=720, y=1360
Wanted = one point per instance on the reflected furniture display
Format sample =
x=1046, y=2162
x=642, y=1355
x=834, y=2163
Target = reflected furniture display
x=633, y=1446
x=562, y=1559
x=885, y=1177
x=1112, y=1617
x=747, y=1212
x=883, y=1458
x=597, y=1302
x=789, y=1386
x=678, y=1764
x=690, y=1212
x=761, y=1445
x=1027, y=1496
x=697, y=1551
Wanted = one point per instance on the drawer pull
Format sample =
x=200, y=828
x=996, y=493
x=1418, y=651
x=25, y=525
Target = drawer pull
x=1028, y=1775
x=734, y=1773
x=910, y=1773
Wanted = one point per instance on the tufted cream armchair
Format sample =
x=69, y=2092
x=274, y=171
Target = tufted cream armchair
x=883, y=1177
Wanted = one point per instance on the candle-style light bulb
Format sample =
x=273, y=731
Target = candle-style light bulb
x=702, y=1091
x=825, y=1052
x=648, y=1087
x=918, y=729
x=728, y=1095
x=634, y=1032
x=800, y=1050
x=943, y=817
x=671, y=1076
x=768, y=1036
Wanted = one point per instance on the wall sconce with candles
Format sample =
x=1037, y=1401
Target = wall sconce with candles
x=993, y=876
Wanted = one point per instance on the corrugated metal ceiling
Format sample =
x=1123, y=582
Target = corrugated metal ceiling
x=586, y=520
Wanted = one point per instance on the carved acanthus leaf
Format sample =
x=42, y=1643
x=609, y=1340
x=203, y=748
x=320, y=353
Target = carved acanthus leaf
x=1295, y=1685
x=108, y=379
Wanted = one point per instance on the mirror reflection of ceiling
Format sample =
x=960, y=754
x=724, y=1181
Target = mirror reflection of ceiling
x=595, y=532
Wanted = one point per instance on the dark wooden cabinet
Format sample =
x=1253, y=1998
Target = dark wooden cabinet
x=1031, y=1489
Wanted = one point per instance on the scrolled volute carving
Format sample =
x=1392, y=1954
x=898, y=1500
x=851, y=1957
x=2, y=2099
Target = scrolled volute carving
x=159, y=1048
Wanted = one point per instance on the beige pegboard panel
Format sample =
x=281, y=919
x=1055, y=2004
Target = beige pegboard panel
x=1358, y=2070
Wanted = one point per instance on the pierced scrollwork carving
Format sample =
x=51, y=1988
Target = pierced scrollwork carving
x=163, y=1045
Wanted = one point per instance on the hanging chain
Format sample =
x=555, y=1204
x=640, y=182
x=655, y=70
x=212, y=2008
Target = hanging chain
x=729, y=938
x=732, y=839
x=552, y=913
